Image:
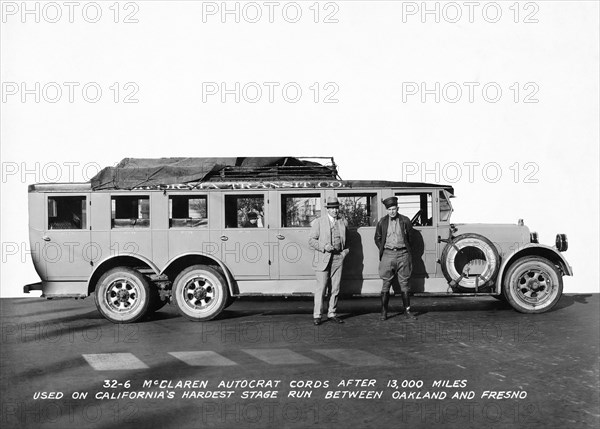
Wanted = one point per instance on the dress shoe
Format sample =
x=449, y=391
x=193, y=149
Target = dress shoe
x=317, y=322
x=336, y=319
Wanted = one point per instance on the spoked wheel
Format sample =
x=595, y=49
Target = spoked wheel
x=533, y=285
x=122, y=295
x=200, y=293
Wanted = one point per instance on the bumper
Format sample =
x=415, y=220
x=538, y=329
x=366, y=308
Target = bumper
x=59, y=289
x=32, y=286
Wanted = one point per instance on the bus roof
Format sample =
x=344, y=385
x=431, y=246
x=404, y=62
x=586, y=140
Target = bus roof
x=247, y=186
x=136, y=174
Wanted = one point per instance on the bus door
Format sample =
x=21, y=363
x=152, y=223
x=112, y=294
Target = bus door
x=66, y=237
x=418, y=207
x=244, y=238
x=362, y=210
x=297, y=210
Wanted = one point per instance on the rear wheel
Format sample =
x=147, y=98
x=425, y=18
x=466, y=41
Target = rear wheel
x=200, y=293
x=532, y=285
x=122, y=295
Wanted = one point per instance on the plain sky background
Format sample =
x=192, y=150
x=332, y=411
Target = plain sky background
x=532, y=160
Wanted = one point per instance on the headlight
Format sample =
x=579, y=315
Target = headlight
x=562, y=244
x=533, y=237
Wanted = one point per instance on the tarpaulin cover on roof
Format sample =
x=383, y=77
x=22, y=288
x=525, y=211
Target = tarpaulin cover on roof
x=134, y=172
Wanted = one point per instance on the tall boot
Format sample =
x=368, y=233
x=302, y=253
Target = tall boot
x=406, y=302
x=385, y=299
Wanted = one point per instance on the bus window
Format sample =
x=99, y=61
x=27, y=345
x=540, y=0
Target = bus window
x=130, y=212
x=244, y=211
x=66, y=212
x=359, y=209
x=186, y=211
x=418, y=207
x=299, y=210
x=445, y=208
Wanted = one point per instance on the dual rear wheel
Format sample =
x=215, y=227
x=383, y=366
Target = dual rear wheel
x=123, y=295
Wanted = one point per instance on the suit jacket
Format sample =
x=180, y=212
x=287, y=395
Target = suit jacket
x=320, y=235
x=381, y=232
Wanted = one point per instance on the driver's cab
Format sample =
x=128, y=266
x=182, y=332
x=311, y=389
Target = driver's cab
x=418, y=206
x=429, y=211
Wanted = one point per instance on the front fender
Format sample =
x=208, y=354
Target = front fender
x=534, y=249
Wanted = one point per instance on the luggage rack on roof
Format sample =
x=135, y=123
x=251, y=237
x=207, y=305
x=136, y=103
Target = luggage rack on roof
x=306, y=168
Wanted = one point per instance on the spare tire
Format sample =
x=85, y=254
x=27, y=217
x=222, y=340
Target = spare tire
x=470, y=261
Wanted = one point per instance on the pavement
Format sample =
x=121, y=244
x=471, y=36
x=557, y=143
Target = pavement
x=465, y=362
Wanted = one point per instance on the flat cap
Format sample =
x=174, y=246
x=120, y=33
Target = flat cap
x=390, y=202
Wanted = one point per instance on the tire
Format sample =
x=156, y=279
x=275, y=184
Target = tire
x=200, y=293
x=122, y=295
x=458, y=258
x=532, y=285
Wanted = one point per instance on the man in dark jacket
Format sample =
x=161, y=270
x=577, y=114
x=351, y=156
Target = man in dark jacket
x=392, y=237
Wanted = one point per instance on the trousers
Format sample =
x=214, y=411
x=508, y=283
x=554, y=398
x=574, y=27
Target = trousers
x=395, y=263
x=332, y=272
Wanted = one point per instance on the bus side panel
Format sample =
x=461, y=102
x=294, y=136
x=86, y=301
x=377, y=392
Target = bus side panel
x=159, y=218
x=100, y=211
x=36, y=231
x=362, y=263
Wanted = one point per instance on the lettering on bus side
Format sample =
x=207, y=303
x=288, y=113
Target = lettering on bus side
x=245, y=185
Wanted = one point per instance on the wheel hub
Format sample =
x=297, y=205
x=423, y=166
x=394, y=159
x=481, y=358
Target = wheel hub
x=123, y=295
x=535, y=285
x=200, y=293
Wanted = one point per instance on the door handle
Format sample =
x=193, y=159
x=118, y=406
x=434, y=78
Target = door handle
x=280, y=237
x=45, y=238
x=224, y=238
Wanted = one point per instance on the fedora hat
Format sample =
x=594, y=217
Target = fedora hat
x=332, y=202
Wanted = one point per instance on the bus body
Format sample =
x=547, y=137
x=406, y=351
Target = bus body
x=139, y=248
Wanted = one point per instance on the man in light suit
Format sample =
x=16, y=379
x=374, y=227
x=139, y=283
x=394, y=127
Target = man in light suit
x=328, y=239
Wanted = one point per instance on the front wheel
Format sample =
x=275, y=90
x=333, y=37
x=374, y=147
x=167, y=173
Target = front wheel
x=200, y=293
x=532, y=285
x=122, y=295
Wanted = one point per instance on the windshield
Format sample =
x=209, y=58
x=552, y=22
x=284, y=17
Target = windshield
x=445, y=208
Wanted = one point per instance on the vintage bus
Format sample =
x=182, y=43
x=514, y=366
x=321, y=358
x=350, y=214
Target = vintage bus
x=199, y=232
